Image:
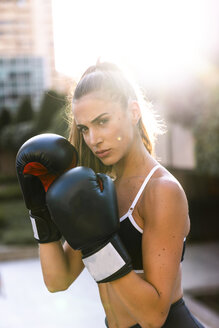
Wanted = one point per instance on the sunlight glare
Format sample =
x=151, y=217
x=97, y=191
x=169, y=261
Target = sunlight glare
x=162, y=40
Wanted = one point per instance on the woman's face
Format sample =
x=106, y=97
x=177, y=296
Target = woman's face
x=107, y=128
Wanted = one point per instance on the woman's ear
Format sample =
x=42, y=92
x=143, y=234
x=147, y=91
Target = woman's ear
x=135, y=111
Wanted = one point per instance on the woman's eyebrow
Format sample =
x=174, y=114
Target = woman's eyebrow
x=98, y=117
x=93, y=121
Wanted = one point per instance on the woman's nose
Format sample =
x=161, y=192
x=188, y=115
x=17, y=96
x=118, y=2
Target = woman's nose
x=95, y=138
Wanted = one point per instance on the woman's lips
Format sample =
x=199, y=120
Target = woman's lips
x=103, y=153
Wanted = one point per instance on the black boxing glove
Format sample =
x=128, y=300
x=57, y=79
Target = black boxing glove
x=84, y=207
x=39, y=162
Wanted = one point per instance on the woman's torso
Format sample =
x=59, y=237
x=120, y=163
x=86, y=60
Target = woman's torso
x=117, y=315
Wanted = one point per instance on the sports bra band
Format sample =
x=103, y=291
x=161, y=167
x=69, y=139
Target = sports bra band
x=143, y=186
x=131, y=208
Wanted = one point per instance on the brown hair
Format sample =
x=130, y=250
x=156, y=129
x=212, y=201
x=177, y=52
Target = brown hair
x=110, y=83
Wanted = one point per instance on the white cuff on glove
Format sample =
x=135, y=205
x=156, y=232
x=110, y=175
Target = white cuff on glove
x=104, y=263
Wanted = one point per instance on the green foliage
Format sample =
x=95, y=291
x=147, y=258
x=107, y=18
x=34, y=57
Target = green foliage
x=52, y=103
x=16, y=226
x=10, y=191
x=206, y=132
x=5, y=117
x=3, y=222
x=50, y=118
x=7, y=179
x=14, y=135
x=25, y=111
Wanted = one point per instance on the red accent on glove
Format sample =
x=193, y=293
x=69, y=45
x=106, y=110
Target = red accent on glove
x=99, y=180
x=41, y=172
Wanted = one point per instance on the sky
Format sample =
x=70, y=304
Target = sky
x=164, y=41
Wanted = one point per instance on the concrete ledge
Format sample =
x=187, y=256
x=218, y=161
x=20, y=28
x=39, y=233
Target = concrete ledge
x=11, y=253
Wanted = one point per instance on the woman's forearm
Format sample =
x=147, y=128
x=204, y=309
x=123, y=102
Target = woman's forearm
x=141, y=299
x=58, y=270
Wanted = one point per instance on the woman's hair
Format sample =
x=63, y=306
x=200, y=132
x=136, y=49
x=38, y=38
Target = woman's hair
x=110, y=83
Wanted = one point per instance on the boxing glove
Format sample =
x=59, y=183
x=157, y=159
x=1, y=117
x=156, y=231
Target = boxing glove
x=39, y=162
x=84, y=207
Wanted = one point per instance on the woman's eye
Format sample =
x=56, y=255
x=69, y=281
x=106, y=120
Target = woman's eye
x=82, y=129
x=103, y=121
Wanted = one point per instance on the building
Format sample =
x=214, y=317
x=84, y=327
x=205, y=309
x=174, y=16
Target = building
x=27, y=64
x=21, y=77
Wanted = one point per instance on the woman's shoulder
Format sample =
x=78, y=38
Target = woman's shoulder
x=164, y=203
x=164, y=190
x=163, y=182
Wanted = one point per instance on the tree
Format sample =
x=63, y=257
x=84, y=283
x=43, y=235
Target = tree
x=51, y=104
x=13, y=135
x=5, y=117
x=25, y=111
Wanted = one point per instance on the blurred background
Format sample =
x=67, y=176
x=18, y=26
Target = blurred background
x=172, y=50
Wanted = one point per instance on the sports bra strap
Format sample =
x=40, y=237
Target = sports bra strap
x=142, y=187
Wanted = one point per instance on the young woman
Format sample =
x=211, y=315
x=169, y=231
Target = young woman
x=108, y=132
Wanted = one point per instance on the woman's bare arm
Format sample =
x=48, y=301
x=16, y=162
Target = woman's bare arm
x=148, y=301
x=61, y=265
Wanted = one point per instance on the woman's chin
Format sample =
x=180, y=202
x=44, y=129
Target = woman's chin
x=107, y=161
